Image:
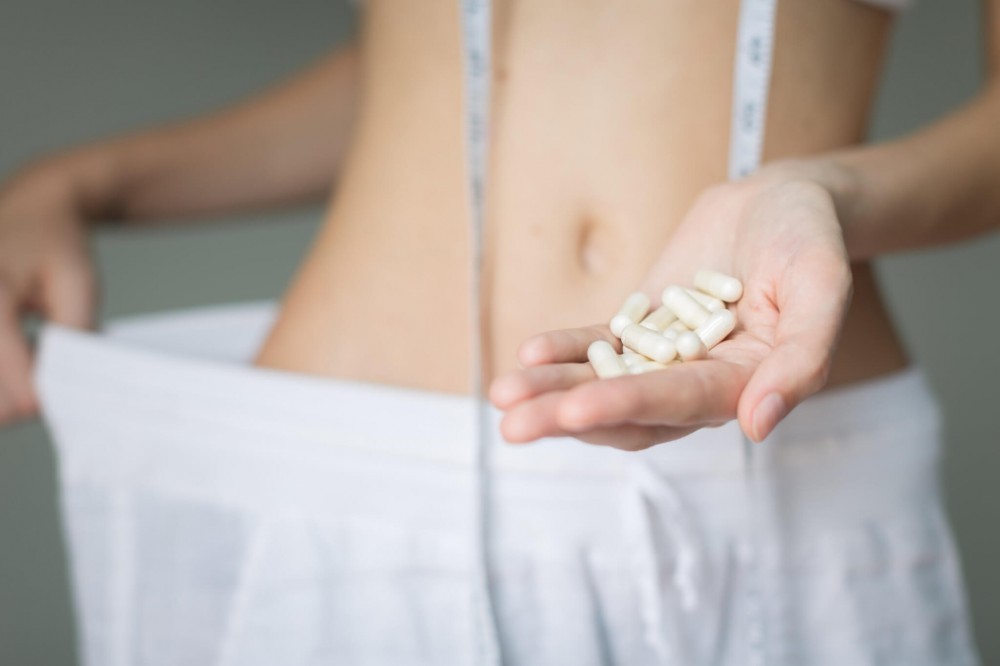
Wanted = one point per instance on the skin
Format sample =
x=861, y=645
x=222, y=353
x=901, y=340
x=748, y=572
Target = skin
x=600, y=183
x=592, y=174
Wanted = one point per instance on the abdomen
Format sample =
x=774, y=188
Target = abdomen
x=608, y=120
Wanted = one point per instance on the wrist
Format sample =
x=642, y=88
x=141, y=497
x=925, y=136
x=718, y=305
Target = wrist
x=83, y=180
x=834, y=175
x=837, y=176
x=95, y=183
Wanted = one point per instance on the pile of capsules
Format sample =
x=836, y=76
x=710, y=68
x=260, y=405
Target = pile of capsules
x=684, y=328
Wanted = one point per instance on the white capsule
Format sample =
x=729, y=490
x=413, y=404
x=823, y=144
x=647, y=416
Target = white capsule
x=601, y=350
x=605, y=360
x=659, y=319
x=686, y=308
x=719, y=285
x=678, y=327
x=632, y=311
x=632, y=359
x=718, y=326
x=675, y=329
x=690, y=347
x=648, y=343
x=710, y=303
x=647, y=366
x=618, y=324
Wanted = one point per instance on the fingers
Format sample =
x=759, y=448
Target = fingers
x=692, y=394
x=565, y=346
x=627, y=412
x=633, y=437
x=533, y=419
x=515, y=387
x=811, y=305
x=17, y=396
x=65, y=295
x=538, y=418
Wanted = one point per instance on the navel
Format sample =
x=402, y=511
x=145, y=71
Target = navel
x=596, y=247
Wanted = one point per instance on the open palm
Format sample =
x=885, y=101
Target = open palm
x=781, y=237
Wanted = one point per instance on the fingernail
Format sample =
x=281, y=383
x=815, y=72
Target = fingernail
x=769, y=412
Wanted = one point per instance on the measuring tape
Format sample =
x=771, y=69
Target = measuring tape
x=751, y=82
x=477, y=48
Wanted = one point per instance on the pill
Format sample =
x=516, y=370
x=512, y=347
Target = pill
x=648, y=343
x=690, y=347
x=716, y=328
x=710, y=303
x=659, y=319
x=632, y=359
x=646, y=366
x=686, y=308
x=675, y=329
x=719, y=285
x=605, y=360
x=632, y=311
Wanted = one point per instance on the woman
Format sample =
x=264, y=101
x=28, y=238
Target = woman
x=600, y=180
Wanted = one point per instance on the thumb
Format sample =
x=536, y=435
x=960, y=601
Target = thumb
x=69, y=292
x=812, y=301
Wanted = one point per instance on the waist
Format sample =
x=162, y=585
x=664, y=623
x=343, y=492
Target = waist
x=390, y=302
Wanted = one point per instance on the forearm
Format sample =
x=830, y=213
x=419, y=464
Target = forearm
x=936, y=186
x=280, y=147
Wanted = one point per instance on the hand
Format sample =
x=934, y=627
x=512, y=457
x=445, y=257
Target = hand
x=45, y=267
x=778, y=232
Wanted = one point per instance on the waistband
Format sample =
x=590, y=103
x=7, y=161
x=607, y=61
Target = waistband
x=193, y=366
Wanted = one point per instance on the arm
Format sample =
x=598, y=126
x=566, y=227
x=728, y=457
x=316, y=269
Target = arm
x=283, y=146
x=936, y=186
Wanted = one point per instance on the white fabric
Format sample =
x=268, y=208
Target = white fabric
x=220, y=514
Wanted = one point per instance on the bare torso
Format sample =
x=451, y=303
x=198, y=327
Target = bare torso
x=609, y=119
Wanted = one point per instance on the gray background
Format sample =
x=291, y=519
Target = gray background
x=71, y=72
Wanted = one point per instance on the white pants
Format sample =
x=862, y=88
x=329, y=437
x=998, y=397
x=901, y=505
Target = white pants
x=222, y=514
